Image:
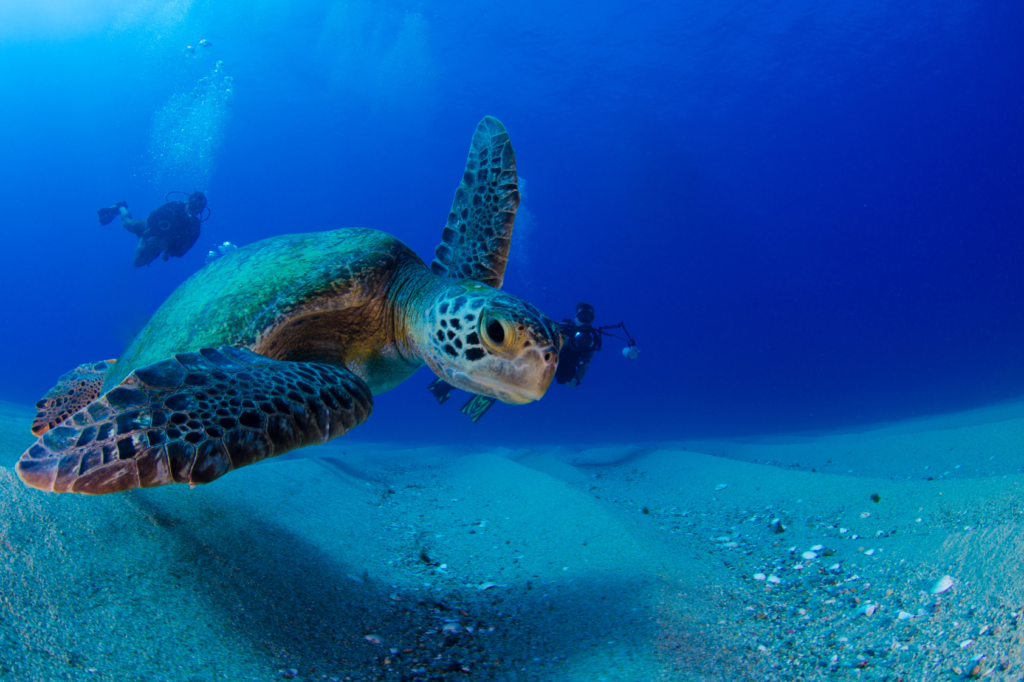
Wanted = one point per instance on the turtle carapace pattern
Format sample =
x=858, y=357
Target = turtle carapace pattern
x=283, y=344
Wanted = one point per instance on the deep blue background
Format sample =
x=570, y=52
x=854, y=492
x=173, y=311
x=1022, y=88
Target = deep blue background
x=809, y=214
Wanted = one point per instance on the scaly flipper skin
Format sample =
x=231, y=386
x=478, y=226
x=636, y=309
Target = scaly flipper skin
x=73, y=391
x=476, y=240
x=192, y=418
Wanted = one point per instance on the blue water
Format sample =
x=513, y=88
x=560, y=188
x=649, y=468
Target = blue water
x=808, y=215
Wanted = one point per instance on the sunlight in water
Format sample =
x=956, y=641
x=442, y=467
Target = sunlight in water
x=379, y=53
x=65, y=18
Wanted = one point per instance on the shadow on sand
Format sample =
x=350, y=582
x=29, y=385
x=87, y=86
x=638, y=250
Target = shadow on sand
x=302, y=608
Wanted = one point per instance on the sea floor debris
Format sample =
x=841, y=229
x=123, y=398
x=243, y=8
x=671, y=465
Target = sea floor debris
x=551, y=571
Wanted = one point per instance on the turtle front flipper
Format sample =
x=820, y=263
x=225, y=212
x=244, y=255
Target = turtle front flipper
x=192, y=418
x=475, y=242
x=73, y=391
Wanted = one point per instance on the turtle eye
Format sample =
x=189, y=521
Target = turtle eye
x=496, y=333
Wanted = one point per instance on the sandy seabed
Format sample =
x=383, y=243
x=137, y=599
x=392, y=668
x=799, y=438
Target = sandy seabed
x=625, y=563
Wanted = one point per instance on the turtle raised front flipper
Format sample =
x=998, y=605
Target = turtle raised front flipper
x=475, y=242
x=192, y=418
x=73, y=391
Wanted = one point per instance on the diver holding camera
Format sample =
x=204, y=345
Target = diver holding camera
x=171, y=228
x=582, y=340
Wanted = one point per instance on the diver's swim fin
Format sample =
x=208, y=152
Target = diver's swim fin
x=107, y=214
x=477, y=407
x=440, y=390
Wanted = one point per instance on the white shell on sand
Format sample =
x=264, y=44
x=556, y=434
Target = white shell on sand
x=942, y=584
x=774, y=579
x=721, y=486
x=809, y=555
x=759, y=576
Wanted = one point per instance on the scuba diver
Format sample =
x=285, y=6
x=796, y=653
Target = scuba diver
x=582, y=340
x=171, y=228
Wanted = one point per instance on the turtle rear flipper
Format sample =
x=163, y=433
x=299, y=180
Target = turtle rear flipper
x=192, y=418
x=475, y=242
x=73, y=391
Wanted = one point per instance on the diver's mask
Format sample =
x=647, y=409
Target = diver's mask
x=584, y=313
x=196, y=203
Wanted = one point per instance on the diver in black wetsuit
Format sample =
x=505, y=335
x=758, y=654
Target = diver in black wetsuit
x=171, y=228
x=582, y=340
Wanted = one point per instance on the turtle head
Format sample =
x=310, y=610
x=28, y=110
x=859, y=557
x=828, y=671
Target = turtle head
x=485, y=341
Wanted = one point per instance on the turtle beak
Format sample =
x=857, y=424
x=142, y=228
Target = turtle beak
x=516, y=381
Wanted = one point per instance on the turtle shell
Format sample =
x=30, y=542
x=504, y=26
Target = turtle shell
x=300, y=297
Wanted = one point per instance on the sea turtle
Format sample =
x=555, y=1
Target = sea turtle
x=284, y=343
